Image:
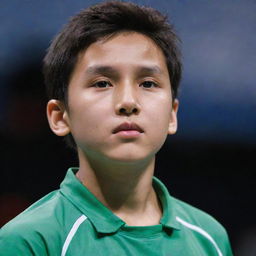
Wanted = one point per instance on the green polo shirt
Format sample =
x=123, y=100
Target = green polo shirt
x=71, y=221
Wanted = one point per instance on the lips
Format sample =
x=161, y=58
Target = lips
x=128, y=127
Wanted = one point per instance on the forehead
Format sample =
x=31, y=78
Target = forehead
x=124, y=49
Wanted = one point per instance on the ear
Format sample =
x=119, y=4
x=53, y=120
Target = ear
x=173, y=125
x=58, y=118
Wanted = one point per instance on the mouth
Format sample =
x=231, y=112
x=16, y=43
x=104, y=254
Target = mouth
x=128, y=128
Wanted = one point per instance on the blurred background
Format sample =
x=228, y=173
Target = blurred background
x=209, y=163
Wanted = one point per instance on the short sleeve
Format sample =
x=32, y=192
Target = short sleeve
x=15, y=240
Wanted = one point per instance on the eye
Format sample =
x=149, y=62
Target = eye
x=102, y=84
x=148, y=84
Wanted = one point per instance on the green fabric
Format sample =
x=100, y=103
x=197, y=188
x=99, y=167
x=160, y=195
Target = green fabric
x=71, y=221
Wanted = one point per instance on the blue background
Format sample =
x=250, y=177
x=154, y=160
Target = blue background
x=218, y=95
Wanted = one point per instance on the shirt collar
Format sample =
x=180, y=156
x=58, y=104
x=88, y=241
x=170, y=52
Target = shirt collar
x=168, y=219
x=101, y=217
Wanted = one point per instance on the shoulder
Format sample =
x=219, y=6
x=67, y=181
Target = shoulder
x=196, y=216
x=38, y=228
x=203, y=224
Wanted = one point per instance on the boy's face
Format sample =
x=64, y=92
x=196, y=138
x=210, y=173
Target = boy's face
x=119, y=98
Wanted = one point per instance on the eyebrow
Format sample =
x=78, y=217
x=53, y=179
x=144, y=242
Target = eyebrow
x=111, y=71
x=150, y=70
x=102, y=70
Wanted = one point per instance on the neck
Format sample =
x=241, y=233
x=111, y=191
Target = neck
x=125, y=188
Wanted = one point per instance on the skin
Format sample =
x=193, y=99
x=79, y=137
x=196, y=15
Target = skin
x=122, y=79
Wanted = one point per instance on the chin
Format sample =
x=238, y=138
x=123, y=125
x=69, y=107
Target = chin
x=130, y=157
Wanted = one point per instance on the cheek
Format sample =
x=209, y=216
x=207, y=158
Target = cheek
x=89, y=107
x=160, y=112
x=158, y=118
x=87, y=117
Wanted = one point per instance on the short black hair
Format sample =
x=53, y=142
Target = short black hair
x=99, y=21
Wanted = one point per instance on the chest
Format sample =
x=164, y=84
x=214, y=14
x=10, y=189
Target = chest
x=179, y=243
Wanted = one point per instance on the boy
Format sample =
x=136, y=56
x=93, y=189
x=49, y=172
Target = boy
x=112, y=75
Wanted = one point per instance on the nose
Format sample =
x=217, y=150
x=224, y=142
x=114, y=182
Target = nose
x=127, y=101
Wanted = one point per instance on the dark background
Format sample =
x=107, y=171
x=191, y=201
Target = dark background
x=209, y=163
